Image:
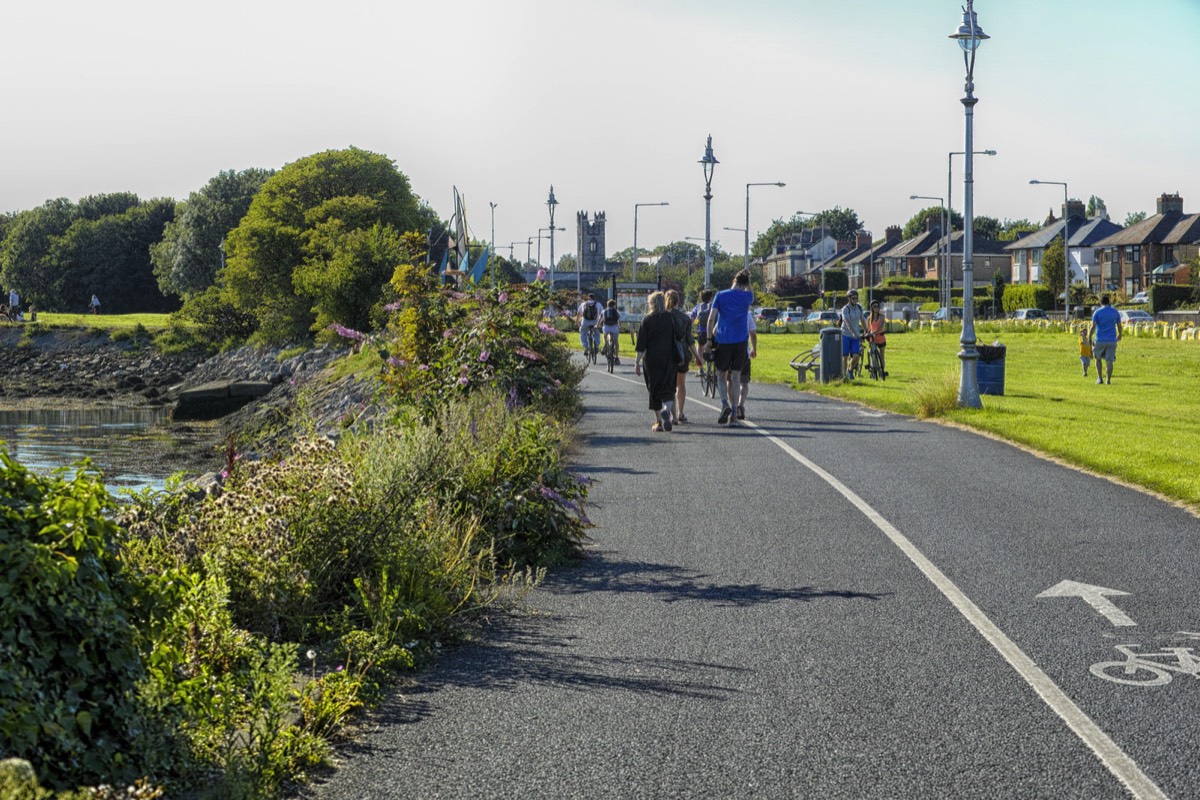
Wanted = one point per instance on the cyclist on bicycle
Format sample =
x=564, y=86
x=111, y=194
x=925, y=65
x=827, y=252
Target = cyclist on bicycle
x=589, y=319
x=876, y=330
x=612, y=330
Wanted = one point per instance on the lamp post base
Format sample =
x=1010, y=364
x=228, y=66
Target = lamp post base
x=968, y=384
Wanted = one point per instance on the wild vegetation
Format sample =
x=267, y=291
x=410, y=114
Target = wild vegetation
x=241, y=630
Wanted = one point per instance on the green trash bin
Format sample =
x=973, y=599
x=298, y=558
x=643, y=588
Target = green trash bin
x=989, y=368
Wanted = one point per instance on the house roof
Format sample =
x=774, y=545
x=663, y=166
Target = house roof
x=1082, y=233
x=1173, y=227
x=916, y=245
x=980, y=246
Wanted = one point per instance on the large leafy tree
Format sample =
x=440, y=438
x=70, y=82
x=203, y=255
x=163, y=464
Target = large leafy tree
x=293, y=231
x=187, y=259
x=916, y=223
x=109, y=256
x=840, y=223
x=1134, y=217
x=1095, y=206
x=26, y=247
x=1013, y=229
x=1053, y=266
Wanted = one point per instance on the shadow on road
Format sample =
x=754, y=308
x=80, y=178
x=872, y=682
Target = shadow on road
x=672, y=584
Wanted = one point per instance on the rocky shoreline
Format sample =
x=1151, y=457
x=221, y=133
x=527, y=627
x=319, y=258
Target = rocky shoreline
x=62, y=368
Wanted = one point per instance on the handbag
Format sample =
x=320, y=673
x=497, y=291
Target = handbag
x=680, y=347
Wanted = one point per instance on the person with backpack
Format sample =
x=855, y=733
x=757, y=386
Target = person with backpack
x=589, y=318
x=612, y=330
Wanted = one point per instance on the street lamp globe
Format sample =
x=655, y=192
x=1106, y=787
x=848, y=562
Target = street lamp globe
x=969, y=34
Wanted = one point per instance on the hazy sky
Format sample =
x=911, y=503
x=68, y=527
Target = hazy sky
x=852, y=103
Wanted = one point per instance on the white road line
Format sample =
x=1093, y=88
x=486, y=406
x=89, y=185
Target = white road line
x=1124, y=768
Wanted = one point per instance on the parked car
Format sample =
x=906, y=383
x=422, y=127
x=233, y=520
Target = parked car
x=767, y=314
x=788, y=317
x=1134, y=316
x=824, y=316
x=956, y=312
x=1141, y=297
x=1028, y=313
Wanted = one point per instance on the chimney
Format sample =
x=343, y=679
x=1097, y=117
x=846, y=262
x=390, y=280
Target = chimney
x=1050, y=219
x=1074, y=208
x=862, y=239
x=932, y=223
x=1168, y=203
x=893, y=233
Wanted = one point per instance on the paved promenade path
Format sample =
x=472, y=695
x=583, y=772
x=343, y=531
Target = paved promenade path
x=826, y=602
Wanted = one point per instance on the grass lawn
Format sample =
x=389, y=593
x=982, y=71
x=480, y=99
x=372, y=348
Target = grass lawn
x=1143, y=429
x=108, y=322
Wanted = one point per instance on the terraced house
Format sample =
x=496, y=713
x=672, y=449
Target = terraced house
x=1155, y=250
x=1083, y=236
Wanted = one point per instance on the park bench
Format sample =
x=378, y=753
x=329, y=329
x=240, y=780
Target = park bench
x=808, y=361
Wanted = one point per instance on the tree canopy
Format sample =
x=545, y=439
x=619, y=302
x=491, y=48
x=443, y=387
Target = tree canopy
x=188, y=258
x=1053, y=265
x=1095, y=206
x=339, y=212
x=58, y=254
x=916, y=223
x=840, y=223
x=1134, y=217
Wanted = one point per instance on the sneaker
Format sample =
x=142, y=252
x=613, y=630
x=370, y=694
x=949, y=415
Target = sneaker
x=741, y=412
x=1099, y=381
x=682, y=418
x=665, y=416
x=725, y=412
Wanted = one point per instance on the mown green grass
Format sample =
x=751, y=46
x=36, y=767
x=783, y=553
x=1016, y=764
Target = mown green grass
x=107, y=322
x=1143, y=429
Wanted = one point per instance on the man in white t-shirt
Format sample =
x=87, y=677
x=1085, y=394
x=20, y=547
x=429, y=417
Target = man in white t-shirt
x=589, y=321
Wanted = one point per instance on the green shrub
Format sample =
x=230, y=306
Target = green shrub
x=69, y=657
x=1164, y=297
x=1025, y=295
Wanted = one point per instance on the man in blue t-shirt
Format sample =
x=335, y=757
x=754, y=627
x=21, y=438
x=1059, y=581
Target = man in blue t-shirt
x=727, y=325
x=1106, y=331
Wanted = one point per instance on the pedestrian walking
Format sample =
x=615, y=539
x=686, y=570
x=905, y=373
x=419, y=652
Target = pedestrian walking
x=14, y=302
x=751, y=353
x=94, y=305
x=683, y=322
x=1085, y=351
x=1105, y=331
x=657, y=360
x=727, y=323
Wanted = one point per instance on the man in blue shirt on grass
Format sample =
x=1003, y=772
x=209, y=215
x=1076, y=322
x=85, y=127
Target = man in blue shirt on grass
x=1106, y=331
x=727, y=324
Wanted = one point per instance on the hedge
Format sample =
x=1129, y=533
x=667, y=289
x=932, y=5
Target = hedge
x=1165, y=296
x=1025, y=295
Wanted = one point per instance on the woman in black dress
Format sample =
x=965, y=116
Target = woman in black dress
x=656, y=359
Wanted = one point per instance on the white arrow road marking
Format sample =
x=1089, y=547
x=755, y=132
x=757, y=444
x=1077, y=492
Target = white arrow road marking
x=862, y=413
x=1094, y=596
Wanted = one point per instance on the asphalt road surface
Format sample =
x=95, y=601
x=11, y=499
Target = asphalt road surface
x=827, y=601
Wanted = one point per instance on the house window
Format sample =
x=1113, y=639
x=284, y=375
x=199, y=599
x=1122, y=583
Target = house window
x=1168, y=255
x=1133, y=253
x=1035, y=258
x=1020, y=258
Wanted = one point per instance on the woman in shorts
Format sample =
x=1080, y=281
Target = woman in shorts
x=876, y=328
x=611, y=328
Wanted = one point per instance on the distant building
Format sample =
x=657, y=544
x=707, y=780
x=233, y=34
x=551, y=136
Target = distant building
x=1155, y=250
x=1082, y=237
x=589, y=239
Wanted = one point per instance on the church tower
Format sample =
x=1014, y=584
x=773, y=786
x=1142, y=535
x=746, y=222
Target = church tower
x=590, y=242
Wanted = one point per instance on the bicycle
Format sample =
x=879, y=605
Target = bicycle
x=1140, y=669
x=875, y=360
x=610, y=349
x=592, y=348
x=707, y=374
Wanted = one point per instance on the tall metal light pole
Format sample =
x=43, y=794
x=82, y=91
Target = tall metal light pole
x=551, y=204
x=1066, y=247
x=945, y=295
x=746, y=257
x=949, y=287
x=491, y=268
x=636, y=206
x=969, y=36
x=528, y=249
x=709, y=164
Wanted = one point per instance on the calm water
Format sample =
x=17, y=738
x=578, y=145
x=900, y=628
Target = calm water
x=116, y=439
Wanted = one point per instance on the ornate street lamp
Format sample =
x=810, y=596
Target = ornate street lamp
x=746, y=257
x=969, y=36
x=1066, y=247
x=709, y=163
x=551, y=203
x=493, y=253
